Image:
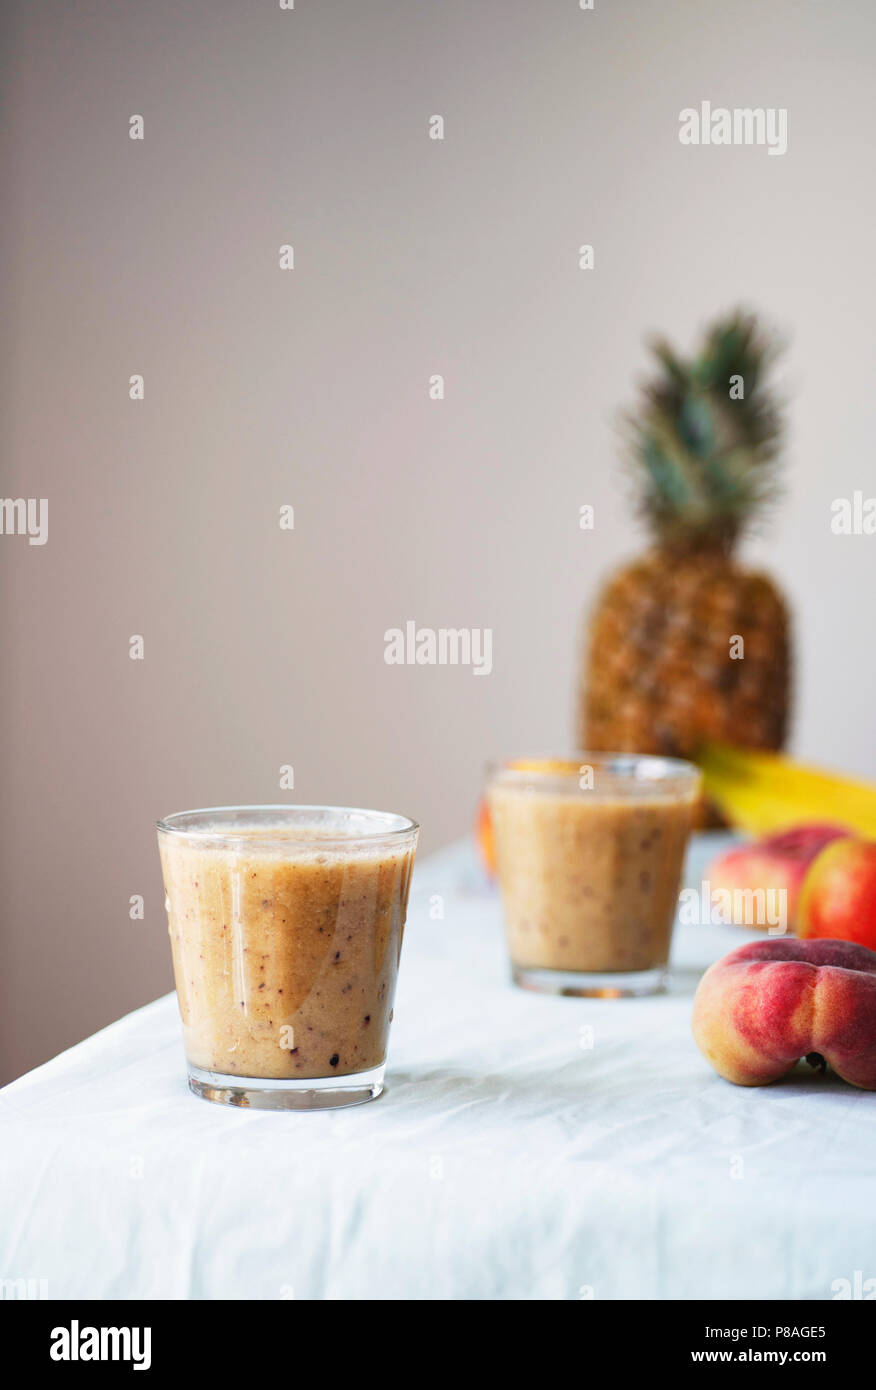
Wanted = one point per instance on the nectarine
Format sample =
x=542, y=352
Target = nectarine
x=838, y=896
x=775, y=865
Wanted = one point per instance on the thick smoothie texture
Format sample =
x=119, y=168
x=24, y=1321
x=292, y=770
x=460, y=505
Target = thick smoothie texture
x=589, y=882
x=286, y=954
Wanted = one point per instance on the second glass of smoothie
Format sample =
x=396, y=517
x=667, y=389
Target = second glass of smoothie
x=286, y=927
x=590, y=853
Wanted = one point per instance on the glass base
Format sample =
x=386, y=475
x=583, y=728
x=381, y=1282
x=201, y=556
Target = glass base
x=308, y=1093
x=592, y=984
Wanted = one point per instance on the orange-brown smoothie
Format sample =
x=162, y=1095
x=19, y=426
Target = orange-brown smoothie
x=589, y=878
x=285, y=953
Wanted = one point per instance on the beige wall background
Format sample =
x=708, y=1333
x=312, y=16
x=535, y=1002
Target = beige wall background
x=309, y=387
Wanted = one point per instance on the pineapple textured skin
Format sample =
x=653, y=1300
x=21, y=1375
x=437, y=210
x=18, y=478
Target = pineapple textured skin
x=664, y=669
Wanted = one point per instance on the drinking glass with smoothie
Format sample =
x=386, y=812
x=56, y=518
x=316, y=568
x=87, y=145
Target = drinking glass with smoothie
x=286, y=927
x=589, y=853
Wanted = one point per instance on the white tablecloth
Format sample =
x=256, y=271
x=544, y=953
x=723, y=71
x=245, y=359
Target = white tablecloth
x=515, y=1153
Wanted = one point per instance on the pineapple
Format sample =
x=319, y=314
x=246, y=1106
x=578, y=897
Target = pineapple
x=659, y=671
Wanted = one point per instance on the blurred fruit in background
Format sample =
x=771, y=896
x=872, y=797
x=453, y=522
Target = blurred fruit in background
x=484, y=838
x=764, y=792
x=819, y=841
x=775, y=864
x=838, y=897
x=660, y=674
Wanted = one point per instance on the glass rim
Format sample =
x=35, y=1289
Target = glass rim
x=176, y=825
x=626, y=772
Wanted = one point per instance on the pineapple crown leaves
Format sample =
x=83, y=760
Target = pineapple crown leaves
x=704, y=461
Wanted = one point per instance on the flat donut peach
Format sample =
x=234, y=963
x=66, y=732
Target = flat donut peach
x=764, y=1006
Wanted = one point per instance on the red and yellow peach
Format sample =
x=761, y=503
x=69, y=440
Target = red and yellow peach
x=776, y=864
x=764, y=1006
x=838, y=896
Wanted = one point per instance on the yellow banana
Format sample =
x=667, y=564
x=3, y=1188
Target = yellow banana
x=762, y=792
